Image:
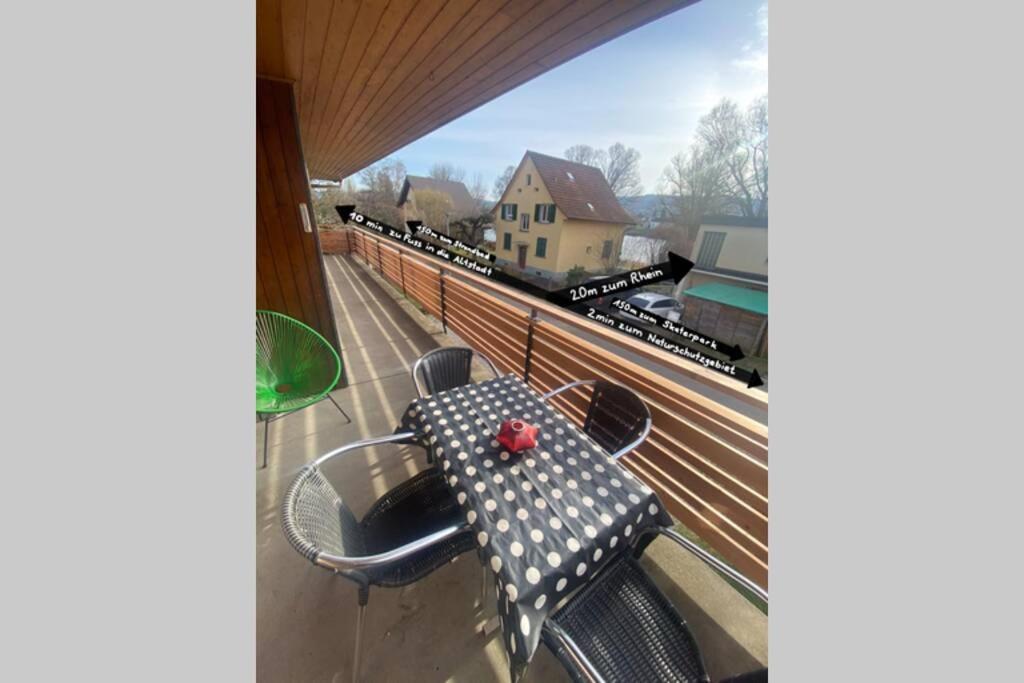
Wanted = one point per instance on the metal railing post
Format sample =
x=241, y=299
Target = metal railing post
x=401, y=271
x=529, y=344
x=444, y=315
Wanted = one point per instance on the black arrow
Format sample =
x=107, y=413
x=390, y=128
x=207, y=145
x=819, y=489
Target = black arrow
x=675, y=268
x=752, y=379
x=733, y=352
x=413, y=225
x=345, y=211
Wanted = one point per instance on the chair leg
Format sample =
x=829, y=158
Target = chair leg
x=266, y=435
x=483, y=587
x=339, y=408
x=359, y=643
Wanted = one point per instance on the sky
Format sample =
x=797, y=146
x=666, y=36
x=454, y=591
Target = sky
x=646, y=89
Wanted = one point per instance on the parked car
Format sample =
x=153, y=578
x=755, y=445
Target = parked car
x=658, y=304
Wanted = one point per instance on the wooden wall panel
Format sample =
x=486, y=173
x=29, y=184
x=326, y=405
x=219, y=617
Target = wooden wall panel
x=290, y=275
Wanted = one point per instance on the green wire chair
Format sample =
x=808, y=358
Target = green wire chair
x=295, y=368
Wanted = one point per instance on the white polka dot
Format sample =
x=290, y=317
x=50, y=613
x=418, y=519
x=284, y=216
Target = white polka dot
x=524, y=625
x=628, y=530
x=560, y=586
x=498, y=478
x=556, y=494
x=516, y=548
x=539, y=602
x=572, y=484
x=572, y=512
x=586, y=475
x=554, y=559
x=510, y=496
x=512, y=591
x=611, y=543
x=471, y=516
x=502, y=525
x=652, y=508
x=602, y=491
x=536, y=535
x=512, y=640
x=514, y=470
x=479, y=487
x=488, y=463
x=573, y=544
x=446, y=465
x=522, y=514
x=555, y=523
x=590, y=531
x=527, y=486
x=558, y=469
x=533, y=575
x=530, y=462
x=461, y=497
x=634, y=499
x=616, y=483
x=540, y=503
x=581, y=569
x=481, y=538
x=496, y=564
x=597, y=554
x=490, y=505
x=471, y=470
x=607, y=519
x=588, y=501
x=620, y=508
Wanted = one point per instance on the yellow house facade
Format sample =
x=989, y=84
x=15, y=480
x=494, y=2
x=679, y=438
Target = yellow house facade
x=731, y=250
x=555, y=215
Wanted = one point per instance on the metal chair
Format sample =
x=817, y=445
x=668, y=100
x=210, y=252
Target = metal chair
x=409, y=532
x=446, y=368
x=617, y=418
x=620, y=627
x=295, y=368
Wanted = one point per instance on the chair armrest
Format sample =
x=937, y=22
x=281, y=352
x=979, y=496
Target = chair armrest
x=639, y=440
x=709, y=559
x=356, y=445
x=568, y=386
x=370, y=561
x=563, y=640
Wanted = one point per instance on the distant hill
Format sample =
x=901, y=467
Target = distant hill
x=646, y=207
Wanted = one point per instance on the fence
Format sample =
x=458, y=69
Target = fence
x=708, y=463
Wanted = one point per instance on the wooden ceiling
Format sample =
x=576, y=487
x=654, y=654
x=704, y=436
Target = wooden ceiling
x=372, y=76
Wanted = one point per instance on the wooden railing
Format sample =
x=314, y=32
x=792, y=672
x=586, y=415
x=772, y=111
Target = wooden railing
x=708, y=462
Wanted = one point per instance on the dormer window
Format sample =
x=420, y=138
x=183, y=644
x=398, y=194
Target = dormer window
x=571, y=176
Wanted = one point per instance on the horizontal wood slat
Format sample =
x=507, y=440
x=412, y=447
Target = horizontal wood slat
x=708, y=463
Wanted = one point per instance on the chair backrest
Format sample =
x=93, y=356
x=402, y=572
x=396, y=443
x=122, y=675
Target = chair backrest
x=445, y=368
x=316, y=519
x=616, y=416
x=295, y=365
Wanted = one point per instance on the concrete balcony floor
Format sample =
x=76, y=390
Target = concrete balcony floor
x=425, y=632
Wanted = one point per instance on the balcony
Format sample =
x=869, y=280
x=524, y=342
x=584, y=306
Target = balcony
x=707, y=461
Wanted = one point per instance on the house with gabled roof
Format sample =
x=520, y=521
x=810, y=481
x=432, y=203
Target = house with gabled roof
x=436, y=202
x=555, y=215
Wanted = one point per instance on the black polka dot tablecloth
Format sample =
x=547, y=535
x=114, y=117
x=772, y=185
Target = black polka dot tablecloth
x=546, y=519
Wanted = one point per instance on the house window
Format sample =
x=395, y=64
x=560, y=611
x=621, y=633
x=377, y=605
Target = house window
x=710, y=248
x=542, y=247
x=507, y=242
x=544, y=213
x=606, y=250
x=524, y=223
x=529, y=178
x=508, y=212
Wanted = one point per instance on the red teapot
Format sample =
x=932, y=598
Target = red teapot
x=517, y=435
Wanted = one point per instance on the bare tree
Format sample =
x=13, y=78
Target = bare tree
x=443, y=170
x=622, y=170
x=695, y=181
x=471, y=229
x=619, y=164
x=324, y=201
x=587, y=155
x=502, y=181
x=381, y=185
x=434, y=208
x=478, y=191
x=740, y=141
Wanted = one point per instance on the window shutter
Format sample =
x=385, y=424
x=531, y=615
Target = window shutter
x=536, y=213
x=515, y=211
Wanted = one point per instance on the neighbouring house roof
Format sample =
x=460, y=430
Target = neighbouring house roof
x=579, y=191
x=462, y=203
x=751, y=300
x=735, y=221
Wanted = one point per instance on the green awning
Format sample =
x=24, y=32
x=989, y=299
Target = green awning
x=752, y=300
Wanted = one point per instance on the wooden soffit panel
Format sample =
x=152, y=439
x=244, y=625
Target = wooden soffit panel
x=372, y=76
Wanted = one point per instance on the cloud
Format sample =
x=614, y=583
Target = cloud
x=755, y=53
